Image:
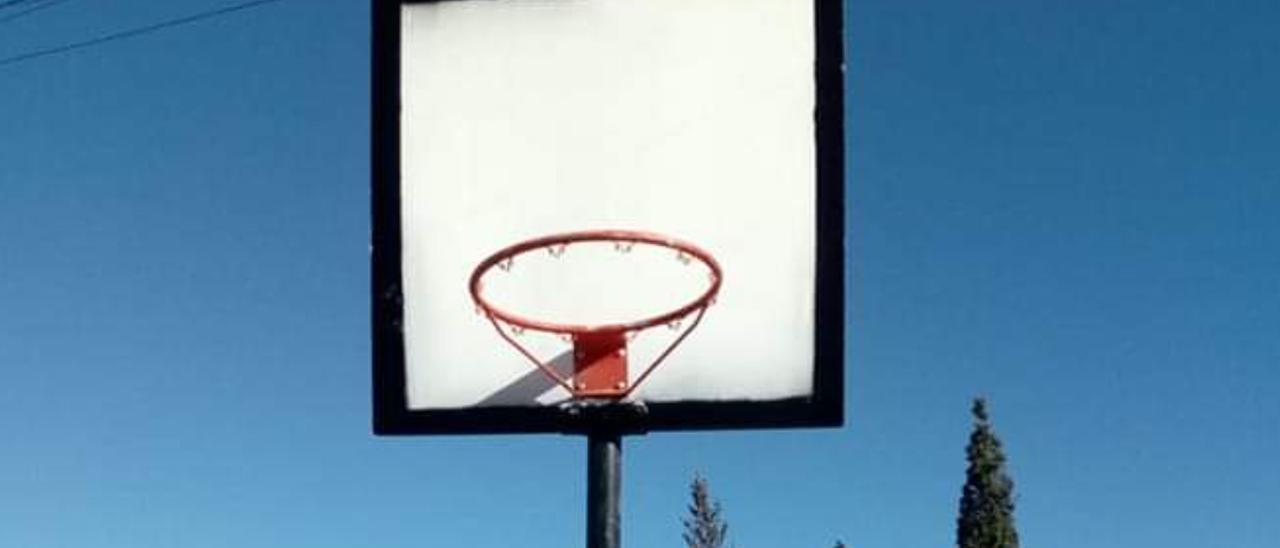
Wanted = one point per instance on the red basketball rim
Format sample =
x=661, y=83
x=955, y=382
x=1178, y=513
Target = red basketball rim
x=620, y=236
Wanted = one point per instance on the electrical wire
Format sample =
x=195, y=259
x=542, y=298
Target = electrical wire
x=30, y=10
x=12, y=3
x=130, y=33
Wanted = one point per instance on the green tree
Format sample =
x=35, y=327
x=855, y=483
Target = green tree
x=704, y=528
x=986, y=505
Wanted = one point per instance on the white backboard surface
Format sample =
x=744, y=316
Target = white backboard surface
x=690, y=118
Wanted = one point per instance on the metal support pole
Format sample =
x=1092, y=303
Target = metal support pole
x=604, y=489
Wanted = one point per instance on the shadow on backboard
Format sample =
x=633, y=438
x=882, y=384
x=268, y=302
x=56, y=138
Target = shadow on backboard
x=527, y=389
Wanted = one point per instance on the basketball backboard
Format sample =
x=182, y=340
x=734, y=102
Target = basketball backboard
x=712, y=122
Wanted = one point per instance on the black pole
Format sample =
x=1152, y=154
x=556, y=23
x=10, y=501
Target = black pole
x=604, y=489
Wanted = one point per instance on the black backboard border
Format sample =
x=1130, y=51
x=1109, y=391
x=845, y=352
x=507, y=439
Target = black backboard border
x=393, y=417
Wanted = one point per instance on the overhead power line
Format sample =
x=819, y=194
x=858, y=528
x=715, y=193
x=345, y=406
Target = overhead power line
x=11, y=3
x=130, y=33
x=30, y=10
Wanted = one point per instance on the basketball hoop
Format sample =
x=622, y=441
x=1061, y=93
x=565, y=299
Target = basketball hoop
x=599, y=350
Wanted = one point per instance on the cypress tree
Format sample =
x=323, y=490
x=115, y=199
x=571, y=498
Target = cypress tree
x=704, y=528
x=986, y=505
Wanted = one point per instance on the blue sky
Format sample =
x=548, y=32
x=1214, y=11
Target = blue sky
x=1070, y=208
